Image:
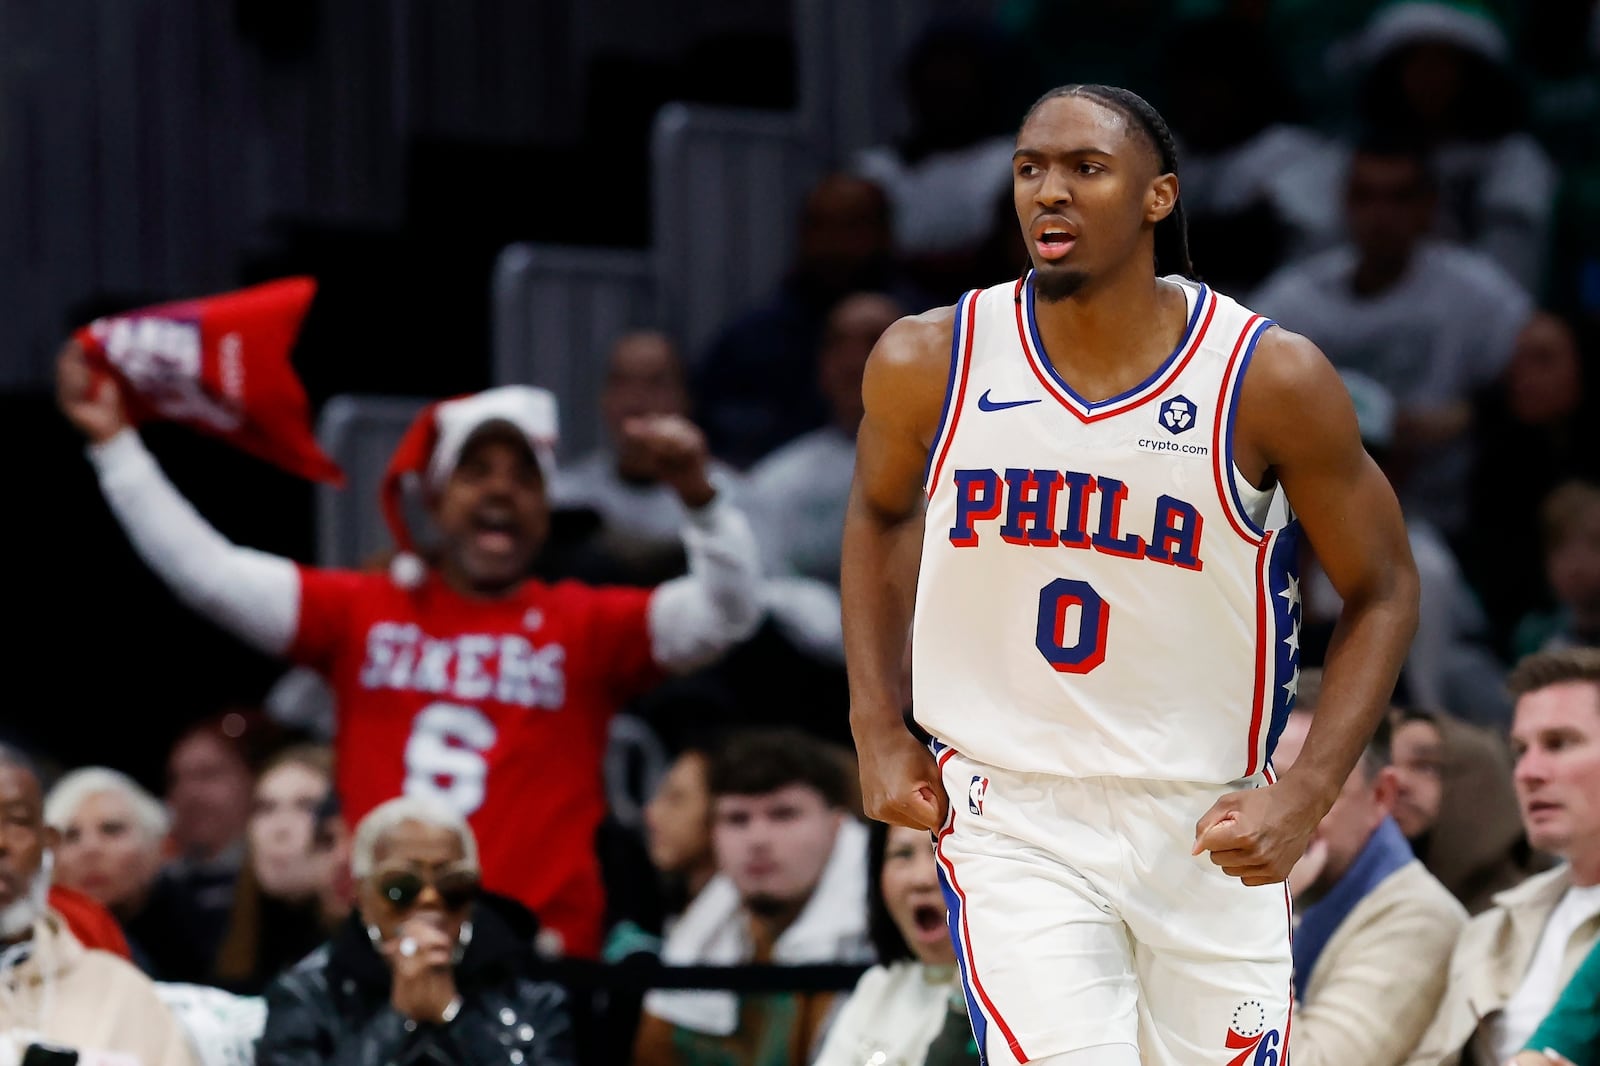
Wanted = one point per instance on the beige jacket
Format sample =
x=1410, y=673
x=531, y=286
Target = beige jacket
x=1488, y=965
x=1377, y=984
x=66, y=994
x=1378, y=981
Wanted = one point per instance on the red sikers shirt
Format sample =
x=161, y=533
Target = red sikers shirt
x=499, y=707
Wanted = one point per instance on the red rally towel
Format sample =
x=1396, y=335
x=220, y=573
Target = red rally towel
x=221, y=365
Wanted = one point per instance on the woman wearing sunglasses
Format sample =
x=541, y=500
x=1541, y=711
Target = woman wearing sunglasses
x=424, y=971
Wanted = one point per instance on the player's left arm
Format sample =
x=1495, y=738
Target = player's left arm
x=695, y=618
x=1296, y=421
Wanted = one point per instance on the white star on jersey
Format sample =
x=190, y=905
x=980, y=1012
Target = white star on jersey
x=1293, y=639
x=1291, y=592
x=1292, y=686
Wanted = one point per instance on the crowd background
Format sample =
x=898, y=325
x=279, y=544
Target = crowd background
x=1415, y=186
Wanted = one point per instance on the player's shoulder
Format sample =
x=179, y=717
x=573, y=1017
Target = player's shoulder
x=1283, y=361
x=919, y=338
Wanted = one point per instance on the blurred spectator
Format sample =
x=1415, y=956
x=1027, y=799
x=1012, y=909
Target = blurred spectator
x=52, y=989
x=111, y=835
x=1456, y=806
x=797, y=495
x=295, y=889
x=424, y=973
x=210, y=777
x=956, y=156
x=1535, y=432
x=790, y=889
x=1255, y=185
x=677, y=823
x=1449, y=665
x=1374, y=928
x=1512, y=960
x=1005, y=251
x=640, y=540
x=1570, y=517
x=1430, y=321
x=1572, y=1028
x=757, y=387
x=1440, y=73
x=458, y=676
x=910, y=1008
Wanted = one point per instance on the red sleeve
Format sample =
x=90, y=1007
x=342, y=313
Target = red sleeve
x=618, y=633
x=327, y=606
x=90, y=922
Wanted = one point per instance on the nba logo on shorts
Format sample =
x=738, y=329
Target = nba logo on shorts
x=1177, y=414
x=975, y=792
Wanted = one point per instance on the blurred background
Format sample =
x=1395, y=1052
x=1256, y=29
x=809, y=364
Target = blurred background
x=716, y=207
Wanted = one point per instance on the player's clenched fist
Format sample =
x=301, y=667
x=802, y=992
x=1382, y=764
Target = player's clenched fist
x=1258, y=836
x=90, y=399
x=674, y=451
x=900, y=782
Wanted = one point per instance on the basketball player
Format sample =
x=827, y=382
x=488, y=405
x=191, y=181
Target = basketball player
x=474, y=684
x=1105, y=633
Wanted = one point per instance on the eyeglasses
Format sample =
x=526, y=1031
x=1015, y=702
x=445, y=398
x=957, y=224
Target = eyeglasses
x=457, y=888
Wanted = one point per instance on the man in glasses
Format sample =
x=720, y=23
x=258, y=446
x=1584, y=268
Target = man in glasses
x=421, y=973
x=456, y=675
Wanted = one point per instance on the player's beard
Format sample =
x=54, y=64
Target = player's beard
x=765, y=906
x=1054, y=286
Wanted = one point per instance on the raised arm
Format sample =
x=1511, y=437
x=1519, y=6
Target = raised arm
x=253, y=595
x=697, y=617
x=903, y=395
x=1296, y=420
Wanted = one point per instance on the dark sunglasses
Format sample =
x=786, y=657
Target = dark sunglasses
x=457, y=888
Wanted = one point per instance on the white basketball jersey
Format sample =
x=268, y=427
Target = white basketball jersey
x=1098, y=596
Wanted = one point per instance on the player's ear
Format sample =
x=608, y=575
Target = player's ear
x=1161, y=198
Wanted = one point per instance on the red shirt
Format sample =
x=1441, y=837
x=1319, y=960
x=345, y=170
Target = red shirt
x=500, y=707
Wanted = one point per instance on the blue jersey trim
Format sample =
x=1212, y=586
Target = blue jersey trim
x=963, y=311
x=1228, y=466
x=1166, y=364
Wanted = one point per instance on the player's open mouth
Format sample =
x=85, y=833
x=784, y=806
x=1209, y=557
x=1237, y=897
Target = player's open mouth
x=929, y=919
x=1054, y=236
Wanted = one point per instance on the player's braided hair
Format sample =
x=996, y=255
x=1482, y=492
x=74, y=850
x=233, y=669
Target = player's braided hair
x=1172, y=232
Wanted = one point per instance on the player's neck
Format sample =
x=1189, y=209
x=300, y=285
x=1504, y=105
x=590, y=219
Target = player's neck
x=1112, y=333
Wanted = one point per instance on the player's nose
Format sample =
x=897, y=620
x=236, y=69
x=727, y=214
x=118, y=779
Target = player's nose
x=1055, y=190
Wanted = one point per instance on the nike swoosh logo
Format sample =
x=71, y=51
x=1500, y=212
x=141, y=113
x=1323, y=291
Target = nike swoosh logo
x=986, y=404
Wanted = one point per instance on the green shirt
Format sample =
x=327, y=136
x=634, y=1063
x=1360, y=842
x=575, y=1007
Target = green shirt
x=1573, y=1025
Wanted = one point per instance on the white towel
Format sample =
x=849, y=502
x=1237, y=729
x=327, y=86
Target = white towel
x=831, y=928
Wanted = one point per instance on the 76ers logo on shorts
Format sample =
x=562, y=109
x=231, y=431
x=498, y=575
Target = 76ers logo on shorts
x=975, y=792
x=1248, y=1034
x=1177, y=414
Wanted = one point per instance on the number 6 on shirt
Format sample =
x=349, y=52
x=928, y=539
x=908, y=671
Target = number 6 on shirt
x=1088, y=647
x=447, y=744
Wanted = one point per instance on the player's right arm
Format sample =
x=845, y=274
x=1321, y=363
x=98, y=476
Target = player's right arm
x=251, y=594
x=903, y=395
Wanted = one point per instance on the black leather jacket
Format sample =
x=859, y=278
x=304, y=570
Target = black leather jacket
x=332, y=1009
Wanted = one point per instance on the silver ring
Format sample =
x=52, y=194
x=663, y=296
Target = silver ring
x=408, y=947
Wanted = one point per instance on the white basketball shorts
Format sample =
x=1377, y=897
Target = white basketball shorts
x=1080, y=919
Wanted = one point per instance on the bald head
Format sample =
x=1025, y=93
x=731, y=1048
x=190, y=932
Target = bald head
x=845, y=233
x=644, y=376
x=852, y=329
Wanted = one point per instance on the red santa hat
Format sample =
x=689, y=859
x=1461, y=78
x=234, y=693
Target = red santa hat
x=428, y=453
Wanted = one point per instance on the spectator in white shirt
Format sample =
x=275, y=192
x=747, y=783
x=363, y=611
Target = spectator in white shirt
x=1431, y=321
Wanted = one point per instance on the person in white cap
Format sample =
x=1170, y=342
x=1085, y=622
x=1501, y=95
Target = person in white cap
x=456, y=675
